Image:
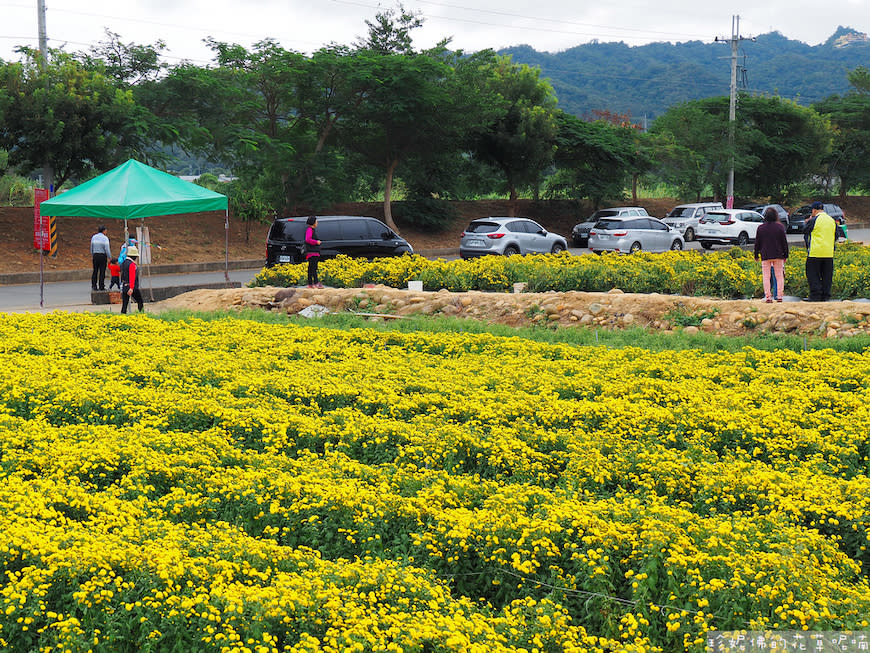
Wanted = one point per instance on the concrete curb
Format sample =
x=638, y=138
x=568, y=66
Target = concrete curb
x=160, y=293
x=16, y=278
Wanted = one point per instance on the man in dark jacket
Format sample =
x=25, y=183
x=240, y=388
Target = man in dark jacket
x=820, y=234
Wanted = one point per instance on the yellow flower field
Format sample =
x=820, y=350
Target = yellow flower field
x=235, y=486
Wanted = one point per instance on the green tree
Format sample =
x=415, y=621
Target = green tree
x=593, y=159
x=129, y=64
x=693, y=150
x=777, y=144
x=849, y=115
x=71, y=118
x=414, y=105
x=520, y=139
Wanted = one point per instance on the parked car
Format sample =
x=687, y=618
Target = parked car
x=728, y=227
x=580, y=232
x=797, y=219
x=508, y=236
x=620, y=234
x=761, y=208
x=685, y=217
x=339, y=234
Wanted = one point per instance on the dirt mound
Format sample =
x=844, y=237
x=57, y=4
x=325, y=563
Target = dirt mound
x=611, y=310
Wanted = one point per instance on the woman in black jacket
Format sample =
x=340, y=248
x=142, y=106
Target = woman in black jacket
x=771, y=245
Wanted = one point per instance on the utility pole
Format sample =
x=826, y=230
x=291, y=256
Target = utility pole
x=47, y=170
x=732, y=105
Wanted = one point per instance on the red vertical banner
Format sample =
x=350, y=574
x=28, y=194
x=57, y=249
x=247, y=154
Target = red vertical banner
x=41, y=224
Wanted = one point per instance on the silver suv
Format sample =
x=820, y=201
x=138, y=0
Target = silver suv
x=685, y=217
x=580, y=232
x=508, y=236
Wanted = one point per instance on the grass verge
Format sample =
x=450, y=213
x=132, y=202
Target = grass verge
x=578, y=336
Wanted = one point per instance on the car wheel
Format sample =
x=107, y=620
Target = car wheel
x=557, y=247
x=635, y=247
x=742, y=239
x=690, y=235
x=511, y=250
x=677, y=245
x=706, y=245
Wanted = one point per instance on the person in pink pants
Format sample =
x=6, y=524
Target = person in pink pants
x=771, y=245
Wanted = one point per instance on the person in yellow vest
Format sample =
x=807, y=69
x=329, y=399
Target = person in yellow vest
x=820, y=234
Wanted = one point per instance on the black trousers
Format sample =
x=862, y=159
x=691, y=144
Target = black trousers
x=125, y=298
x=820, y=276
x=312, y=270
x=98, y=276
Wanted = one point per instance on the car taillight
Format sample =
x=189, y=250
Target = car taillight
x=494, y=236
x=619, y=234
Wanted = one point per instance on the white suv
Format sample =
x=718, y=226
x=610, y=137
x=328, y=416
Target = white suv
x=729, y=227
x=685, y=217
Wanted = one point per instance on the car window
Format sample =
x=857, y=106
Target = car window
x=533, y=227
x=354, y=229
x=681, y=212
x=641, y=223
x=603, y=213
x=658, y=225
x=287, y=230
x=715, y=216
x=328, y=230
x=517, y=227
x=377, y=229
x=750, y=216
x=609, y=224
x=482, y=228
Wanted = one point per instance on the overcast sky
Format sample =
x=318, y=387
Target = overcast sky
x=305, y=26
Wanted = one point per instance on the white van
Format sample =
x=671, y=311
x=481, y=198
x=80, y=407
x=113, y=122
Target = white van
x=685, y=217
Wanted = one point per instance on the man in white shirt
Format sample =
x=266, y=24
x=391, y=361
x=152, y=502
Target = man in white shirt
x=100, y=253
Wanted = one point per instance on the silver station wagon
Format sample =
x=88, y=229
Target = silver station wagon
x=630, y=235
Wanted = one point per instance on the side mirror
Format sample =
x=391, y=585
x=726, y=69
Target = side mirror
x=542, y=232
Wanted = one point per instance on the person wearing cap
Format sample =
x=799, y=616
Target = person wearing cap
x=100, y=254
x=130, y=279
x=123, y=253
x=820, y=234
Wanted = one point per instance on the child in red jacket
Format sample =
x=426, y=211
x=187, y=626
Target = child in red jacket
x=115, y=273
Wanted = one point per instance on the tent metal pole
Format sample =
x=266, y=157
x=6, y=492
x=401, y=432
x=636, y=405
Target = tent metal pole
x=227, y=245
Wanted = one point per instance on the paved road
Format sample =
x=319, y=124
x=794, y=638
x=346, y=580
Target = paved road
x=75, y=295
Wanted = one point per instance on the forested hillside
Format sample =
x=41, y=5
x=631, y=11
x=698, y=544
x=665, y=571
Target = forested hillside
x=644, y=81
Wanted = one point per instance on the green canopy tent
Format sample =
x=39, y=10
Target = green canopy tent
x=135, y=190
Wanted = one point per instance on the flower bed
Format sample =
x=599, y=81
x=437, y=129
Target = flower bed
x=724, y=273
x=230, y=485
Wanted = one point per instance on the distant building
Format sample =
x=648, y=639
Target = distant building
x=221, y=178
x=850, y=39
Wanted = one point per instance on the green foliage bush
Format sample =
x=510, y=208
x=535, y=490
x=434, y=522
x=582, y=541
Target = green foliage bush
x=727, y=273
x=16, y=191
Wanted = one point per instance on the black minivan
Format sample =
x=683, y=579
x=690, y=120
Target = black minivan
x=339, y=234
